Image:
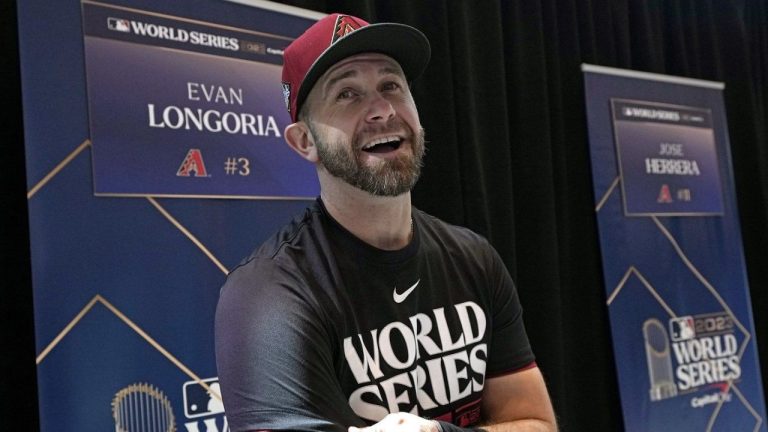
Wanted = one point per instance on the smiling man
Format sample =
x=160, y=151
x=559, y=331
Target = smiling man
x=365, y=312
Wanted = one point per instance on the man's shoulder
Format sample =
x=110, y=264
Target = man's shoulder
x=434, y=227
x=281, y=268
x=302, y=227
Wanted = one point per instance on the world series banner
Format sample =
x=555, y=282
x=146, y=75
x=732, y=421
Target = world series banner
x=143, y=120
x=675, y=279
x=185, y=107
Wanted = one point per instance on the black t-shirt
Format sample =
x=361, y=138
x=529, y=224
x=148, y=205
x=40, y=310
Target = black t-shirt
x=317, y=330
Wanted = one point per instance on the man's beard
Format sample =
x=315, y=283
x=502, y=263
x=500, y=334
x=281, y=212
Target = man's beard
x=391, y=177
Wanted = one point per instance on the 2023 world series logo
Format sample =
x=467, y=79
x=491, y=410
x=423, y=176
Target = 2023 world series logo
x=699, y=352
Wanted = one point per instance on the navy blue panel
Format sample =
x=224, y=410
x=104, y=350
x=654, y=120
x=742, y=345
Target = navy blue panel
x=675, y=279
x=125, y=288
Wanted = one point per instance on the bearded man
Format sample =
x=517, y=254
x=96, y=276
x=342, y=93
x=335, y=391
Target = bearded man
x=365, y=312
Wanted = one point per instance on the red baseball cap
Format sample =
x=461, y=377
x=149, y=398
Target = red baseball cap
x=338, y=36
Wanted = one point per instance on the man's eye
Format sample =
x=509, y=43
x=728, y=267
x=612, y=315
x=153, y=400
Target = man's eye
x=388, y=86
x=345, y=94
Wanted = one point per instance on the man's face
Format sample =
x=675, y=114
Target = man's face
x=365, y=126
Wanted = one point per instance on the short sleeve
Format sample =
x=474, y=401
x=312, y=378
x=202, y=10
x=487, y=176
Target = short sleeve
x=510, y=349
x=273, y=354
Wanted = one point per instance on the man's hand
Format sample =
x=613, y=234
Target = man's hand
x=516, y=402
x=401, y=421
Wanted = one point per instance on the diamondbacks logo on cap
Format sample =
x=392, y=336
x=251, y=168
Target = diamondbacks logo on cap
x=345, y=25
x=287, y=95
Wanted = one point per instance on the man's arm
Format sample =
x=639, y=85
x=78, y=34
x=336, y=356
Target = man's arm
x=273, y=354
x=518, y=402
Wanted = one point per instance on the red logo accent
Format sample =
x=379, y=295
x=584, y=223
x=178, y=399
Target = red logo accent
x=345, y=25
x=665, y=196
x=468, y=415
x=193, y=162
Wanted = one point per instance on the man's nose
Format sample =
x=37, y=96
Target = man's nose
x=379, y=109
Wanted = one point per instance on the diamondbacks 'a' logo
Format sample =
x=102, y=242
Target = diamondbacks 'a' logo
x=665, y=196
x=345, y=25
x=193, y=163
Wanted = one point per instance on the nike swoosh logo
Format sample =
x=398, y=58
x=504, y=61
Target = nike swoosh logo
x=399, y=298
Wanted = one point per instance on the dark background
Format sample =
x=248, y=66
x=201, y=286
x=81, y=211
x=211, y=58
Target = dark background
x=503, y=106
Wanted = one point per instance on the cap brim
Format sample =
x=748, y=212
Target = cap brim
x=407, y=45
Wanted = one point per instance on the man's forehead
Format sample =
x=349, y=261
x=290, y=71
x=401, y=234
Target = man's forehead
x=383, y=62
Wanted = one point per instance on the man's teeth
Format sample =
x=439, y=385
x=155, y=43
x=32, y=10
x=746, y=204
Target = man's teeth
x=383, y=140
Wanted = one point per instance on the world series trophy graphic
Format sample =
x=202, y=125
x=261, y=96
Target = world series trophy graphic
x=659, y=360
x=142, y=408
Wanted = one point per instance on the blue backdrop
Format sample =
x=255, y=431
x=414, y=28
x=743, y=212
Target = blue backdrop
x=125, y=288
x=675, y=280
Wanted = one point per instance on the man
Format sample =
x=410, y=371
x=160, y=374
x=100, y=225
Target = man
x=365, y=311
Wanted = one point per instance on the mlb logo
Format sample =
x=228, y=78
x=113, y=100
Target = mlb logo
x=199, y=401
x=117, y=24
x=682, y=328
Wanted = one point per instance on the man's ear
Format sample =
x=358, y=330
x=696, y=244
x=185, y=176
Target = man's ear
x=300, y=139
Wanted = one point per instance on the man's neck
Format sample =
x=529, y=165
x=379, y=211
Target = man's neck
x=382, y=222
